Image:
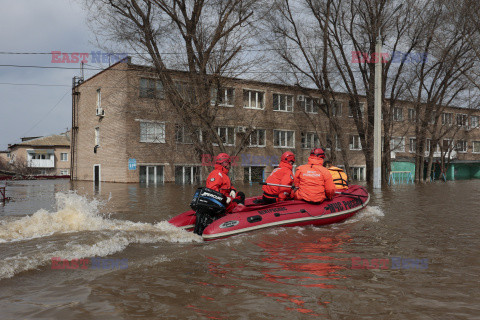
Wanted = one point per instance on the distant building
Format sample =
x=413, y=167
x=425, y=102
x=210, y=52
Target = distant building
x=124, y=130
x=49, y=155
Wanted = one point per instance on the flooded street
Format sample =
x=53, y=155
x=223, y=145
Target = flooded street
x=429, y=235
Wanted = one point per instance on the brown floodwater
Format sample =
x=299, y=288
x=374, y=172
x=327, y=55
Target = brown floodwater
x=413, y=253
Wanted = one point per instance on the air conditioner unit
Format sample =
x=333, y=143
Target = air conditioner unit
x=241, y=129
x=300, y=98
x=100, y=112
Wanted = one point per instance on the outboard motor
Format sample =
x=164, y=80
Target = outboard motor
x=209, y=205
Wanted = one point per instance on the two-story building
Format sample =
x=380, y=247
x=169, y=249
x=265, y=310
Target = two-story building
x=125, y=130
x=49, y=155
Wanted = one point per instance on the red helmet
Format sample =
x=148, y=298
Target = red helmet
x=318, y=152
x=222, y=159
x=288, y=157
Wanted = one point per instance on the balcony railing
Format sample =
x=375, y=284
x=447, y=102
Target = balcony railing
x=41, y=163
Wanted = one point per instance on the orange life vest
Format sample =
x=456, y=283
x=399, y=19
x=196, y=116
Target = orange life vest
x=339, y=178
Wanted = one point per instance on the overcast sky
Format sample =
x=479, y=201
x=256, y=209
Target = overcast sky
x=39, y=26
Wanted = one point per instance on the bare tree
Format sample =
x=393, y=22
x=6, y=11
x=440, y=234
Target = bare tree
x=204, y=39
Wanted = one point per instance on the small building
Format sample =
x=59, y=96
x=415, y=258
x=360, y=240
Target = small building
x=46, y=156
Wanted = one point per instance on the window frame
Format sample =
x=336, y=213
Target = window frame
x=447, y=121
x=257, y=92
x=62, y=154
x=155, y=124
x=286, y=96
x=151, y=91
x=309, y=135
x=225, y=97
x=285, y=138
x=473, y=146
x=463, y=117
x=227, y=128
x=412, y=115
x=464, y=146
x=397, y=114
x=410, y=145
x=394, y=148
x=314, y=108
x=352, y=140
x=257, y=131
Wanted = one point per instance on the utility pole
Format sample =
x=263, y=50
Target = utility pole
x=377, y=125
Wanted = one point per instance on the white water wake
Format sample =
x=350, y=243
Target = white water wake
x=77, y=214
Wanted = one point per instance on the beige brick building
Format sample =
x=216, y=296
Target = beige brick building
x=124, y=130
x=49, y=155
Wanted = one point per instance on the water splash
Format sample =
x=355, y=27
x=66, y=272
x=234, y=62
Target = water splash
x=76, y=214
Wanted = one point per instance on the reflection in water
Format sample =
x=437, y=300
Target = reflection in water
x=310, y=263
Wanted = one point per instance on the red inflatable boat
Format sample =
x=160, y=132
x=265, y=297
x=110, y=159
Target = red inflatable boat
x=254, y=216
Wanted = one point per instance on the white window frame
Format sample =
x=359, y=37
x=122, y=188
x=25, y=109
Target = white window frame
x=337, y=108
x=447, y=120
x=310, y=140
x=464, y=146
x=361, y=172
x=225, y=90
x=257, y=102
x=192, y=176
x=62, y=158
x=284, y=138
x=474, y=123
x=412, y=115
x=97, y=136
x=64, y=172
x=311, y=105
x=412, y=147
x=397, y=144
x=397, y=114
x=461, y=119
x=278, y=98
x=159, y=137
x=99, y=98
x=355, y=142
x=257, y=145
x=473, y=146
x=227, y=129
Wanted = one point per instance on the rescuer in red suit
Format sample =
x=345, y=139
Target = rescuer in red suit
x=281, y=175
x=313, y=181
x=219, y=180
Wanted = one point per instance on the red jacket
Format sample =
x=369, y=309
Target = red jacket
x=281, y=175
x=219, y=180
x=314, y=181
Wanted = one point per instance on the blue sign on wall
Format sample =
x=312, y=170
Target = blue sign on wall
x=132, y=164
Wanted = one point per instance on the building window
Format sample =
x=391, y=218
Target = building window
x=152, y=132
x=227, y=135
x=225, y=96
x=433, y=117
x=183, y=136
x=474, y=122
x=462, y=120
x=257, y=138
x=97, y=136
x=476, y=146
x=447, y=144
x=151, y=88
x=283, y=139
x=397, y=144
x=357, y=173
x=311, y=105
x=412, y=115
x=447, y=119
x=429, y=146
x=310, y=140
x=412, y=147
x=336, y=108
x=64, y=172
x=63, y=156
x=253, y=174
x=253, y=99
x=355, y=143
x=187, y=174
x=282, y=102
x=99, y=98
x=397, y=114
x=361, y=107
x=462, y=146
x=151, y=174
